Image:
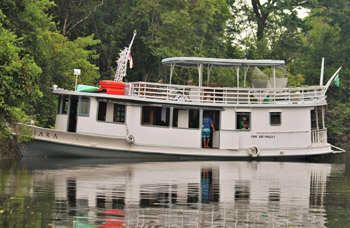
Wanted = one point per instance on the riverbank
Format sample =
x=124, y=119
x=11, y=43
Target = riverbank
x=8, y=149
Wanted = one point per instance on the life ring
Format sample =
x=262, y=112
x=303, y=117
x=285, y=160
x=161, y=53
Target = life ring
x=254, y=151
x=130, y=139
x=112, y=84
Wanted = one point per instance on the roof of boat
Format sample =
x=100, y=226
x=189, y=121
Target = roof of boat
x=219, y=62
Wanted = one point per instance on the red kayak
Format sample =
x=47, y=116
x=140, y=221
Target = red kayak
x=116, y=91
x=112, y=85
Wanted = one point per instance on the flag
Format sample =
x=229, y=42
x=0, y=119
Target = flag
x=336, y=81
x=131, y=63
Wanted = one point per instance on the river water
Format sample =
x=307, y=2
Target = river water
x=110, y=193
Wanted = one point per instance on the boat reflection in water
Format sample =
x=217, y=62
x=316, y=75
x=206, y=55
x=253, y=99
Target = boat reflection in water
x=188, y=194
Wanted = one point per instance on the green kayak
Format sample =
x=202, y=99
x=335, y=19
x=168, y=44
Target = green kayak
x=86, y=88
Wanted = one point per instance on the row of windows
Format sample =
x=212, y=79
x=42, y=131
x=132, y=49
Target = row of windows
x=118, y=113
x=243, y=120
x=63, y=102
x=158, y=116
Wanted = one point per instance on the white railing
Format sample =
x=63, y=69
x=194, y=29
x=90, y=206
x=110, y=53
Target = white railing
x=226, y=95
x=319, y=136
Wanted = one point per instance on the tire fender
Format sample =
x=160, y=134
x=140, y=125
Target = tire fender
x=254, y=151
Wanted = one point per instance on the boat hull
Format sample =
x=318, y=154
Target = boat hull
x=53, y=143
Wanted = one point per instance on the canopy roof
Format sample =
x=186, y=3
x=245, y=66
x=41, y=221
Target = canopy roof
x=218, y=62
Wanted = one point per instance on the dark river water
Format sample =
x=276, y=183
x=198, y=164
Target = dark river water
x=110, y=193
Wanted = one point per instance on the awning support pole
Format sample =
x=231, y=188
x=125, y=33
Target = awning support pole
x=172, y=65
x=200, y=74
x=209, y=69
x=317, y=127
x=245, y=74
x=274, y=77
x=237, y=77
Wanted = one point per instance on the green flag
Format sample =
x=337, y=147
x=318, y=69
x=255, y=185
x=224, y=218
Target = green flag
x=336, y=81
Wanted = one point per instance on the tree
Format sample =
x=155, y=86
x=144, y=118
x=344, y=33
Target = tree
x=46, y=56
x=180, y=28
x=69, y=14
x=269, y=29
x=18, y=75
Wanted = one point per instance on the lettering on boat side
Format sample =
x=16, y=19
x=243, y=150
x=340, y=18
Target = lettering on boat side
x=263, y=136
x=45, y=134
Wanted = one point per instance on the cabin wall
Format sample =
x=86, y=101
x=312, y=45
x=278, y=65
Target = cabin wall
x=61, y=122
x=160, y=135
x=228, y=119
x=294, y=131
x=90, y=124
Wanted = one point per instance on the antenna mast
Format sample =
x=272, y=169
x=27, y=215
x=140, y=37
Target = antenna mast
x=123, y=61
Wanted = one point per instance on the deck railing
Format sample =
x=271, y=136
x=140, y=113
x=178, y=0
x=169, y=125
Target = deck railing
x=225, y=95
x=319, y=136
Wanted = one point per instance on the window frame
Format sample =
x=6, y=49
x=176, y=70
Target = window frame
x=280, y=119
x=191, y=116
x=98, y=111
x=65, y=105
x=115, y=113
x=81, y=113
x=59, y=103
x=154, y=112
x=107, y=110
x=238, y=121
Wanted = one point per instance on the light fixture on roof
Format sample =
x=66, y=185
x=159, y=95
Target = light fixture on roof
x=76, y=72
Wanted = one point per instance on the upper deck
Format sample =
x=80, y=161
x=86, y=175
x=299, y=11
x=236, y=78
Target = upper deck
x=269, y=91
x=313, y=96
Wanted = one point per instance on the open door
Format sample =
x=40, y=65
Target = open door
x=214, y=136
x=73, y=114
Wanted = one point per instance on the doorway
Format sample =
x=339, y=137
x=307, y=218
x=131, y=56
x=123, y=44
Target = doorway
x=214, y=136
x=73, y=114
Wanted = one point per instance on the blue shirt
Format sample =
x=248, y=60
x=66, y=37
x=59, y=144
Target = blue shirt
x=206, y=122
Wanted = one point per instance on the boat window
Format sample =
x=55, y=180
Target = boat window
x=65, y=102
x=243, y=120
x=184, y=118
x=275, y=118
x=102, y=110
x=155, y=116
x=84, y=106
x=59, y=98
x=119, y=113
x=194, y=119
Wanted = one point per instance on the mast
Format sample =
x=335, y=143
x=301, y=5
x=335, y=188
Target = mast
x=122, y=62
x=322, y=71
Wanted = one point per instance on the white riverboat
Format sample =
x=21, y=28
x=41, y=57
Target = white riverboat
x=165, y=120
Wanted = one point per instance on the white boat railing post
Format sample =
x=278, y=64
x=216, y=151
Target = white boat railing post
x=167, y=92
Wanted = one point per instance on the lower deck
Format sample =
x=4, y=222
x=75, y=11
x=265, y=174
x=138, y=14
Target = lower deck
x=53, y=143
x=180, y=126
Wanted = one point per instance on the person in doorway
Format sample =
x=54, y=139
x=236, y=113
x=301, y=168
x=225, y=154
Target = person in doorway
x=244, y=123
x=207, y=124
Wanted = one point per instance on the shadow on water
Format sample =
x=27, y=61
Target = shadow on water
x=337, y=200
x=347, y=165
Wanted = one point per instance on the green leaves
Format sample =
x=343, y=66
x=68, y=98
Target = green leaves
x=18, y=73
x=33, y=56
